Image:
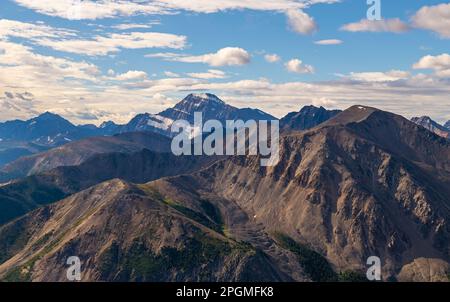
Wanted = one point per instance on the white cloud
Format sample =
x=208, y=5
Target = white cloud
x=272, y=58
x=132, y=75
x=20, y=105
x=53, y=84
x=66, y=41
x=211, y=74
x=440, y=64
x=329, y=42
x=127, y=26
x=19, y=59
x=227, y=56
x=164, y=85
x=103, y=45
x=163, y=100
x=301, y=22
x=171, y=74
x=47, y=78
x=12, y=28
x=90, y=9
x=393, y=75
x=388, y=25
x=297, y=66
x=324, y=102
x=168, y=56
x=435, y=18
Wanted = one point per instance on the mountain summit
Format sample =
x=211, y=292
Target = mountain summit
x=212, y=107
x=308, y=117
x=47, y=129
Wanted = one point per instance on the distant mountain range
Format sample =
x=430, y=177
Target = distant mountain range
x=20, y=138
x=349, y=185
x=447, y=125
x=48, y=129
x=428, y=123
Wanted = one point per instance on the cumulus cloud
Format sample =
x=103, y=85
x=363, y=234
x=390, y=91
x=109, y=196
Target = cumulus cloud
x=297, y=66
x=388, y=25
x=389, y=76
x=131, y=75
x=210, y=74
x=301, y=22
x=162, y=99
x=440, y=64
x=324, y=102
x=91, y=9
x=329, y=42
x=435, y=18
x=227, y=56
x=272, y=58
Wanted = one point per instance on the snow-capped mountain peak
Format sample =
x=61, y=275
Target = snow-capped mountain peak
x=205, y=97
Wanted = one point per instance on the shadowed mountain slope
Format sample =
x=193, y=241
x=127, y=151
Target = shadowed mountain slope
x=24, y=195
x=77, y=152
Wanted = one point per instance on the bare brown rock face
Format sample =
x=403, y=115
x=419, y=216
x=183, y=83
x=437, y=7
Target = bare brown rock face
x=123, y=232
x=365, y=183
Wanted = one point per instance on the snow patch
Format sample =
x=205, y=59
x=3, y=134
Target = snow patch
x=159, y=122
x=207, y=97
x=182, y=111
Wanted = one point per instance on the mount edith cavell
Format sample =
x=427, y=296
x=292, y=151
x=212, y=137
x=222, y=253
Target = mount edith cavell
x=348, y=185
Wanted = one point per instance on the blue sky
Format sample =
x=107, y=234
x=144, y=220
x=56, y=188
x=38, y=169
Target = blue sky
x=94, y=61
